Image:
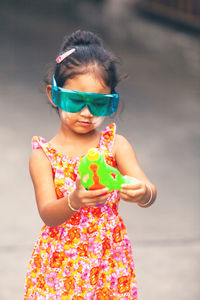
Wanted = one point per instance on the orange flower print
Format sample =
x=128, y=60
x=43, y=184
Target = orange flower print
x=53, y=232
x=57, y=259
x=29, y=283
x=106, y=245
x=111, y=263
x=70, y=266
x=74, y=233
x=94, y=275
x=104, y=294
x=82, y=250
x=107, y=135
x=115, y=208
x=92, y=228
x=75, y=219
x=96, y=212
x=110, y=161
x=53, y=172
x=37, y=261
x=122, y=224
x=117, y=234
x=69, y=284
x=123, y=284
x=80, y=269
x=41, y=282
x=78, y=298
x=52, y=151
x=59, y=193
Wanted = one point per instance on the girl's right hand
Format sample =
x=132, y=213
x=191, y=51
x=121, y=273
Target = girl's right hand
x=82, y=197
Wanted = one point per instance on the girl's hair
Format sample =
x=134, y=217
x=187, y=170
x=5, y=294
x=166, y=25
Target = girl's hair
x=90, y=56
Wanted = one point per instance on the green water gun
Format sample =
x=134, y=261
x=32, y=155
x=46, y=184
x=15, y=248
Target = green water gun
x=97, y=174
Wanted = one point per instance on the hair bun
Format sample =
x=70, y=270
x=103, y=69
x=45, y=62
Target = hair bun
x=83, y=38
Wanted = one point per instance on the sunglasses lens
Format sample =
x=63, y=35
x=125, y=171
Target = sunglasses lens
x=106, y=106
x=67, y=102
x=99, y=107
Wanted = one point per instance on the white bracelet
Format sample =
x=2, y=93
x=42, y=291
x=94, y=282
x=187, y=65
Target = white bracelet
x=69, y=204
x=151, y=196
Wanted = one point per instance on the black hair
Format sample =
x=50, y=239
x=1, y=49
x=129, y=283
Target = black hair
x=90, y=56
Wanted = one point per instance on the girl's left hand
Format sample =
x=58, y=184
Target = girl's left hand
x=136, y=192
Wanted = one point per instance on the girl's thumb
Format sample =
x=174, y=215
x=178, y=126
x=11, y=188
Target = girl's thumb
x=78, y=182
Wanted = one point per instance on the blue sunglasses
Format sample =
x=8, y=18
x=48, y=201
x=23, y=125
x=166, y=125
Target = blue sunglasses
x=99, y=105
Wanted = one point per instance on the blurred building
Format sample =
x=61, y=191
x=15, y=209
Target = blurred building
x=184, y=11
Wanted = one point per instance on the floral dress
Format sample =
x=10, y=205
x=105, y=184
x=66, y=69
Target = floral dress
x=89, y=256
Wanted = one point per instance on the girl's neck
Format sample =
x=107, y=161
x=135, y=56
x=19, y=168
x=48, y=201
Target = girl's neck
x=67, y=134
x=74, y=144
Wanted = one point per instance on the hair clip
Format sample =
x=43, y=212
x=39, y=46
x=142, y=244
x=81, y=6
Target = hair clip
x=61, y=57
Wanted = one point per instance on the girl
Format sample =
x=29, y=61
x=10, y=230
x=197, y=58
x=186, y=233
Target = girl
x=83, y=251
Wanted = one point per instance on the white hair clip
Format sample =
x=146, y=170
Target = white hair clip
x=61, y=57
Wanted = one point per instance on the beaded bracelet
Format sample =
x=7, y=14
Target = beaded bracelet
x=151, y=196
x=69, y=204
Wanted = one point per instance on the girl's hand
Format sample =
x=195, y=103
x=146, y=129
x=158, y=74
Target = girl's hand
x=81, y=197
x=136, y=192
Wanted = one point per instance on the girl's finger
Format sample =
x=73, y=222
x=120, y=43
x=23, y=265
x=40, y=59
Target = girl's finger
x=131, y=193
x=127, y=198
x=102, y=198
x=97, y=193
x=78, y=182
x=95, y=200
x=130, y=186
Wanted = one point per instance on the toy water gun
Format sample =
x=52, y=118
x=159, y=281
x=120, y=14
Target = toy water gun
x=97, y=174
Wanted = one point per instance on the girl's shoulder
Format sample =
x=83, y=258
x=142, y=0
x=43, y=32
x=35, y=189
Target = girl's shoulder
x=121, y=145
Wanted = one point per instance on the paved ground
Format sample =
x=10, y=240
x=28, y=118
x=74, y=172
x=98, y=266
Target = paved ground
x=161, y=119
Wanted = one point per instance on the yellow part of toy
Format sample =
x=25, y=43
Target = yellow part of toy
x=93, y=154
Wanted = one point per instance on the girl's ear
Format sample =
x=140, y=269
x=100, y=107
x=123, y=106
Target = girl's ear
x=48, y=91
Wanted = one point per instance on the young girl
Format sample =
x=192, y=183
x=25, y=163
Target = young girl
x=83, y=251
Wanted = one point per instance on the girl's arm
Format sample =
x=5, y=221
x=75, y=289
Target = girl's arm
x=143, y=190
x=55, y=211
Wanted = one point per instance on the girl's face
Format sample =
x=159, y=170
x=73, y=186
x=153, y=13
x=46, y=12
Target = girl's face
x=83, y=122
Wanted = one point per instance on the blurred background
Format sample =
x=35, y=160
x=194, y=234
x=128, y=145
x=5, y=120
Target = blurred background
x=159, y=48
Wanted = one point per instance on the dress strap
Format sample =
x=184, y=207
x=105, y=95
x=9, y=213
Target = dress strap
x=40, y=143
x=108, y=137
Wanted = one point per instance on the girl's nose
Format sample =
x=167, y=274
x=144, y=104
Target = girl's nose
x=85, y=112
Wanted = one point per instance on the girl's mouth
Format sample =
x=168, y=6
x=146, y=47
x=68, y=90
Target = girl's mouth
x=85, y=123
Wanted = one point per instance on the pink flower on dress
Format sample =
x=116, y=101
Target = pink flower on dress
x=71, y=254
x=45, y=234
x=39, y=297
x=113, y=283
x=127, y=244
x=51, y=279
x=85, y=273
x=92, y=246
x=105, y=265
x=66, y=272
x=134, y=294
x=90, y=295
x=118, y=253
x=84, y=220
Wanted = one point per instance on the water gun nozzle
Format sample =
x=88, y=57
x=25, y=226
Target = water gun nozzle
x=93, y=154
